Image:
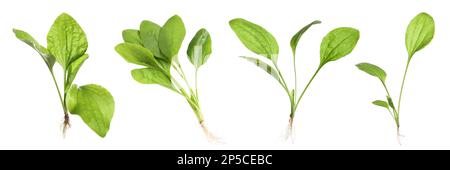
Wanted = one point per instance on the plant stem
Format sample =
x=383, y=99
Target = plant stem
x=282, y=82
x=304, y=90
x=196, y=86
x=182, y=75
x=295, y=79
x=403, y=83
x=59, y=91
x=394, y=112
x=191, y=98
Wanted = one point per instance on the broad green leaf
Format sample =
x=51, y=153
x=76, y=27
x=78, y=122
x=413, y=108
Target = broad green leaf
x=94, y=104
x=298, y=35
x=136, y=54
x=381, y=103
x=199, y=48
x=337, y=44
x=152, y=75
x=171, y=37
x=255, y=38
x=149, y=33
x=71, y=98
x=66, y=40
x=28, y=39
x=372, y=70
x=72, y=70
x=419, y=34
x=266, y=67
x=131, y=36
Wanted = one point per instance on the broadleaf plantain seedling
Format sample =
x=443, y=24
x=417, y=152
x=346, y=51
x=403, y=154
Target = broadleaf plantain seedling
x=156, y=48
x=419, y=34
x=67, y=45
x=335, y=45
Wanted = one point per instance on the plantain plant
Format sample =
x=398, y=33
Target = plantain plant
x=67, y=45
x=335, y=45
x=156, y=49
x=419, y=34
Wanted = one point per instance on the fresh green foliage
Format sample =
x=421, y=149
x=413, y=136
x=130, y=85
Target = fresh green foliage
x=256, y=38
x=94, y=104
x=28, y=39
x=266, y=67
x=419, y=34
x=381, y=103
x=66, y=40
x=373, y=70
x=171, y=36
x=335, y=45
x=67, y=45
x=200, y=48
x=151, y=75
x=157, y=50
x=296, y=38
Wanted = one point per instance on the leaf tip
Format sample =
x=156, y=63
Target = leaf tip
x=234, y=21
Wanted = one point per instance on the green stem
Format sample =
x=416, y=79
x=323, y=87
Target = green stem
x=178, y=87
x=304, y=90
x=196, y=86
x=59, y=91
x=282, y=82
x=401, y=88
x=295, y=78
x=394, y=112
x=183, y=75
x=193, y=102
x=198, y=113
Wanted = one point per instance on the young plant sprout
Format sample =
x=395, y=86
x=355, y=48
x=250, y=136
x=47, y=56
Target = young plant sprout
x=67, y=45
x=419, y=34
x=335, y=45
x=156, y=49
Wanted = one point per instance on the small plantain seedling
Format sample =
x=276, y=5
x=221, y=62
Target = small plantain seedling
x=67, y=45
x=335, y=45
x=419, y=34
x=156, y=49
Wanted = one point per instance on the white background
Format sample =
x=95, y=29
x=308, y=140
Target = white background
x=242, y=104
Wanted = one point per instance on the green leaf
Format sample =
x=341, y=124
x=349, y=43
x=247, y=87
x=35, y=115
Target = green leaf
x=390, y=103
x=298, y=35
x=149, y=33
x=171, y=37
x=255, y=38
x=372, y=70
x=419, y=34
x=71, y=98
x=381, y=103
x=66, y=40
x=73, y=70
x=199, y=48
x=28, y=39
x=94, y=104
x=266, y=67
x=131, y=36
x=136, y=54
x=337, y=44
x=152, y=75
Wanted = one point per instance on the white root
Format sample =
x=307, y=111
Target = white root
x=289, y=134
x=65, y=125
x=399, y=136
x=209, y=135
